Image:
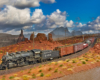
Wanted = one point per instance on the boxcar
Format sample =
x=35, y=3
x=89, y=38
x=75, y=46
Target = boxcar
x=64, y=50
x=49, y=54
x=78, y=47
x=91, y=39
x=85, y=45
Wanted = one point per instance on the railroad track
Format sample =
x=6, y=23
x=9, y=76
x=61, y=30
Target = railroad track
x=8, y=71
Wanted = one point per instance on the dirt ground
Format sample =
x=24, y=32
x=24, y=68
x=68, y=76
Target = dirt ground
x=92, y=74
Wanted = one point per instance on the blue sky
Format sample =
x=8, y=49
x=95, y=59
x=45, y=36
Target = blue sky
x=85, y=9
x=46, y=15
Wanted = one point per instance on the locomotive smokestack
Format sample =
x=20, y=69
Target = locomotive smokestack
x=7, y=53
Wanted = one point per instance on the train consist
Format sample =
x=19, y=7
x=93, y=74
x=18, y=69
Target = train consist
x=36, y=55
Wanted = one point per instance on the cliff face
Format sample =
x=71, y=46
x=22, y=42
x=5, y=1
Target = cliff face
x=21, y=37
x=7, y=39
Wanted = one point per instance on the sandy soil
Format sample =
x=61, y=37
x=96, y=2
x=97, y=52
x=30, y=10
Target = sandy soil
x=92, y=74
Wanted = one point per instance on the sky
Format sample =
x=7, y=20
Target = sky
x=46, y=15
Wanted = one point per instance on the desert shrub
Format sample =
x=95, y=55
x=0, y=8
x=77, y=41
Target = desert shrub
x=33, y=76
x=74, y=61
x=11, y=77
x=40, y=70
x=40, y=66
x=29, y=71
x=56, y=63
x=49, y=69
x=97, y=60
x=48, y=75
x=3, y=78
x=60, y=72
x=34, y=67
x=68, y=60
x=41, y=74
x=22, y=71
x=86, y=59
x=83, y=62
x=60, y=65
x=56, y=70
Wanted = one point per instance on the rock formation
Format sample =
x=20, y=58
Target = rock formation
x=21, y=37
x=40, y=37
x=7, y=39
x=50, y=37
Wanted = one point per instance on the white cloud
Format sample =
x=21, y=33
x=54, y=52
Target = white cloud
x=24, y=3
x=12, y=17
x=69, y=23
x=58, y=17
x=81, y=25
x=48, y=1
x=38, y=16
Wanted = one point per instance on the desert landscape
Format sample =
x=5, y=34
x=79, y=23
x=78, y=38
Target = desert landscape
x=52, y=70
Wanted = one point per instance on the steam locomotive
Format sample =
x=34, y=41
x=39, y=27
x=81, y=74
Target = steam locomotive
x=23, y=58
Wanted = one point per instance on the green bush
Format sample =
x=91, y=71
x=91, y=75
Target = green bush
x=11, y=77
x=60, y=65
x=74, y=61
x=68, y=60
x=49, y=69
x=83, y=62
x=40, y=70
x=33, y=76
x=56, y=70
x=41, y=74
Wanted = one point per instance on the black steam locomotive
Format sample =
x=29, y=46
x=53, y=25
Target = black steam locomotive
x=31, y=57
x=25, y=58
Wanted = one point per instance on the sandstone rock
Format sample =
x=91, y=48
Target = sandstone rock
x=40, y=37
x=26, y=39
x=21, y=37
x=31, y=37
x=50, y=37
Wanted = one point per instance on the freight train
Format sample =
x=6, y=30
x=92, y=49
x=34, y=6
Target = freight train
x=23, y=58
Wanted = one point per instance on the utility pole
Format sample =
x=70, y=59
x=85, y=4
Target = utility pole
x=65, y=36
x=33, y=40
x=83, y=37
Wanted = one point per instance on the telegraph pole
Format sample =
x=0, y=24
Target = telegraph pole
x=65, y=36
x=33, y=40
x=83, y=37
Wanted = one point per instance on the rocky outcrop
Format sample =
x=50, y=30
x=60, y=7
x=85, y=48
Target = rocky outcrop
x=50, y=37
x=31, y=37
x=7, y=39
x=40, y=37
x=21, y=37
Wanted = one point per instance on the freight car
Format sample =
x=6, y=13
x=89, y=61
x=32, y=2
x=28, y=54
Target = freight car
x=23, y=58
